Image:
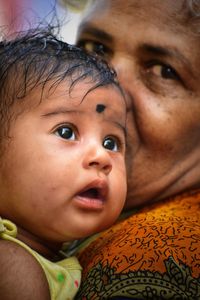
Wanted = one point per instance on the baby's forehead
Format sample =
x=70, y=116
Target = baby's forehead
x=104, y=106
x=100, y=100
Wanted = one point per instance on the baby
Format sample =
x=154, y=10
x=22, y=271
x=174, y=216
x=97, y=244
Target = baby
x=62, y=152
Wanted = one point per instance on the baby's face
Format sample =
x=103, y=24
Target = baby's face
x=63, y=172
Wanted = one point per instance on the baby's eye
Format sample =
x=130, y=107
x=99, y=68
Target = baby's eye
x=95, y=47
x=164, y=71
x=111, y=144
x=66, y=132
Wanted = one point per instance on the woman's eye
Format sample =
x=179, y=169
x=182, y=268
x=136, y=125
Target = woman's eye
x=111, y=144
x=94, y=47
x=164, y=71
x=66, y=132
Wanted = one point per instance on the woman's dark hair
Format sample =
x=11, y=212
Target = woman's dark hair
x=38, y=57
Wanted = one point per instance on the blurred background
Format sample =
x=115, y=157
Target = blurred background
x=17, y=15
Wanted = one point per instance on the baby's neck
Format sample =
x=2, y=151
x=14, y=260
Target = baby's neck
x=49, y=250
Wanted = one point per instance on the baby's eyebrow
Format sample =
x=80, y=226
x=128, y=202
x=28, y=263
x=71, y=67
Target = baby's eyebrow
x=59, y=111
x=120, y=126
x=62, y=110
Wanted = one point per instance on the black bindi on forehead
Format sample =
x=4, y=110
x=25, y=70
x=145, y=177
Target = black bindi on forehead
x=100, y=108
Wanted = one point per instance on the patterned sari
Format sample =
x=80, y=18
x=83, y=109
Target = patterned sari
x=153, y=254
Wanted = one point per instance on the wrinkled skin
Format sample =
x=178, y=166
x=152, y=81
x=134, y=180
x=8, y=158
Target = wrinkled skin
x=155, y=49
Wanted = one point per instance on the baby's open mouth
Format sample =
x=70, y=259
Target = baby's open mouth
x=93, y=193
x=93, y=196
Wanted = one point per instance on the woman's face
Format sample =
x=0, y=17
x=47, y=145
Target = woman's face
x=155, y=51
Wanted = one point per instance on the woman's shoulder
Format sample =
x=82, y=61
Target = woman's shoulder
x=155, y=249
x=21, y=276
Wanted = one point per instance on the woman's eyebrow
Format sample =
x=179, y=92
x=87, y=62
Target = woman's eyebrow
x=167, y=52
x=155, y=49
x=98, y=33
x=163, y=51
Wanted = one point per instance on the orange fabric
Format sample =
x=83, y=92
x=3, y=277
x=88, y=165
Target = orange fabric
x=162, y=238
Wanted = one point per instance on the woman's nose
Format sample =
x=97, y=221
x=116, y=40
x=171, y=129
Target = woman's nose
x=127, y=74
x=98, y=157
x=125, y=68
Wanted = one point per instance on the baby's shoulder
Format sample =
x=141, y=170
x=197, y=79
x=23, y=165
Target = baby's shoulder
x=14, y=256
x=21, y=276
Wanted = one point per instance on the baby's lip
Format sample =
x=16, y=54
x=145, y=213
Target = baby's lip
x=97, y=189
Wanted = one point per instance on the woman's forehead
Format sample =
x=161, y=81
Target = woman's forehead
x=143, y=20
x=170, y=11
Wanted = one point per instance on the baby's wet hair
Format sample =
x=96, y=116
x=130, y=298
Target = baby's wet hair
x=36, y=58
